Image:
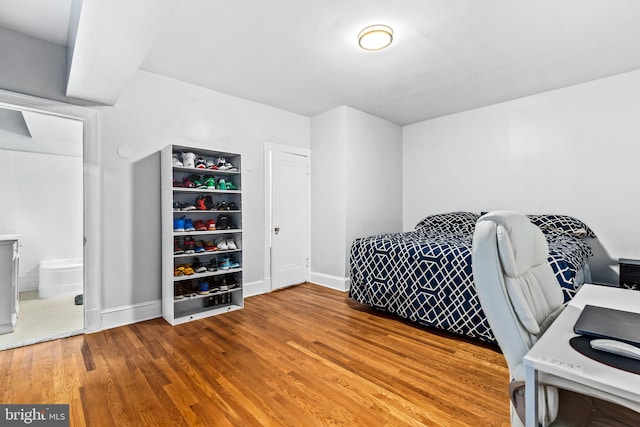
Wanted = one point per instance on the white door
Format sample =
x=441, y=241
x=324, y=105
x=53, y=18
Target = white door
x=290, y=219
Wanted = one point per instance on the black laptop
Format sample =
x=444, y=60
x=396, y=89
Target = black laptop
x=609, y=323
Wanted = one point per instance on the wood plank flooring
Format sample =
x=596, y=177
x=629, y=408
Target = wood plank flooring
x=301, y=356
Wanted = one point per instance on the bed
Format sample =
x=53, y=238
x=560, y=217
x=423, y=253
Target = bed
x=425, y=275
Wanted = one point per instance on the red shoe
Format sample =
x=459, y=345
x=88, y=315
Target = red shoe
x=209, y=246
x=211, y=224
x=199, y=225
x=200, y=205
x=177, y=248
x=186, y=182
x=189, y=245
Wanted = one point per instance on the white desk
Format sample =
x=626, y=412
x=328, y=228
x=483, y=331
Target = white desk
x=552, y=356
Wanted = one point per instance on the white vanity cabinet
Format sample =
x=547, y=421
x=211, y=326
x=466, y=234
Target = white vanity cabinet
x=9, y=277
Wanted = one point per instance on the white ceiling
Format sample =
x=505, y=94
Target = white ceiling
x=447, y=56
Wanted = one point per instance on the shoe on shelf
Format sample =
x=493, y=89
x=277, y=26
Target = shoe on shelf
x=209, y=246
x=178, y=225
x=222, y=206
x=224, y=264
x=197, y=181
x=231, y=244
x=175, y=160
x=222, y=184
x=189, y=160
x=200, y=225
x=211, y=225
x=212, y=266
x=197, y=266
x=199, y=247
x=222, y=244
x=177, y=183
x=188, y=270
x=188, y=225
x=208, y=203
x=222, y=164
x=186, y=183
x=200, y=163
x=177, y=206
x=178, y=271
x=231, y=185
x=233, y=207
x=178, y=291
x=200, y=205
x=224, y=222
x=233, y=263
x=203, y=288
x=231, y=168
x=211, y=165
x=188, y=207
x=210, y=183
x=189, y=245
x=177, y=246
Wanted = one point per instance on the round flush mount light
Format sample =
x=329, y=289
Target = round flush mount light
x=375, y=37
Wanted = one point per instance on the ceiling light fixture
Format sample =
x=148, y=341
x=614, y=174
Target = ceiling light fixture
x=375, y=37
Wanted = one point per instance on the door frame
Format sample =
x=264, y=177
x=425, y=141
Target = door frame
x=269, y=148
x=92, y=214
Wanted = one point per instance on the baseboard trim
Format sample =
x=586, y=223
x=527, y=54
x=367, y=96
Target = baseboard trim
x=128, y=314
x=330, y=281
x=255, y=288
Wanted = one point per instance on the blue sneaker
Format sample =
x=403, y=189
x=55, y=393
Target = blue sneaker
x=225, y=264
x=233, y=264
x=188, y=224
x=203, y=288
x=178, y=224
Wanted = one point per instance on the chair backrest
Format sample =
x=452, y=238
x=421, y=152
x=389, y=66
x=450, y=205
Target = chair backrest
x=518, y=291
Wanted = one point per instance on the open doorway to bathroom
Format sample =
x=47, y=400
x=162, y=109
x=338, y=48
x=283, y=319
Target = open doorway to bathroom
x=41, y=173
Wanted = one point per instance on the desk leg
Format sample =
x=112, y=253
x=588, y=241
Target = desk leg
x=531, y=396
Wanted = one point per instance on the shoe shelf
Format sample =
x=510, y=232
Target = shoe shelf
x=204, y=190
x=206, y=253
x=200, y=233
x=178, y=178
x=207, y=274
x=210, y=172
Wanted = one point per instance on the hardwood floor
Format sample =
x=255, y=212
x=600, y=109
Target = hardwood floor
x=301, y=356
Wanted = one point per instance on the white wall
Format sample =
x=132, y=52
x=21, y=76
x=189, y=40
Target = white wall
x=328, y=195
x=42, y=200
x=356, y=184
x=153, y=112
x=570, y=151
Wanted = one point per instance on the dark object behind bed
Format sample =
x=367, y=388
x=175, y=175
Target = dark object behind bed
x=425, y=275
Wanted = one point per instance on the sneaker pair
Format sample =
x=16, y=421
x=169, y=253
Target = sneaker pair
x=183, y=224
x=227, y=263
x=197, y=266
x=224, y=165
x=189, y=245
x=226, y=244
x=200, y=163
x=189, y=160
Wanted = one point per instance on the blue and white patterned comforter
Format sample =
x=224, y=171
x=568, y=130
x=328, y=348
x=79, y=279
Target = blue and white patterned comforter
x=426, y=277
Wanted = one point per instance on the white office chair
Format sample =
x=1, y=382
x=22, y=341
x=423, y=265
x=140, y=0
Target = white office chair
x=521, y=297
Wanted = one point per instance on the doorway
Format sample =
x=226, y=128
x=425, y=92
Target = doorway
x=287, y=213
x=46, y=176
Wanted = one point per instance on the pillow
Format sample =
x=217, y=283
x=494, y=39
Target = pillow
x=562, y=224
x=457, y=222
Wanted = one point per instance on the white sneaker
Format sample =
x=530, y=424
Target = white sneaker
x=189, y=160
x=231, y=245
x=222, y=164
x=176, y=160
x=222, y=244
